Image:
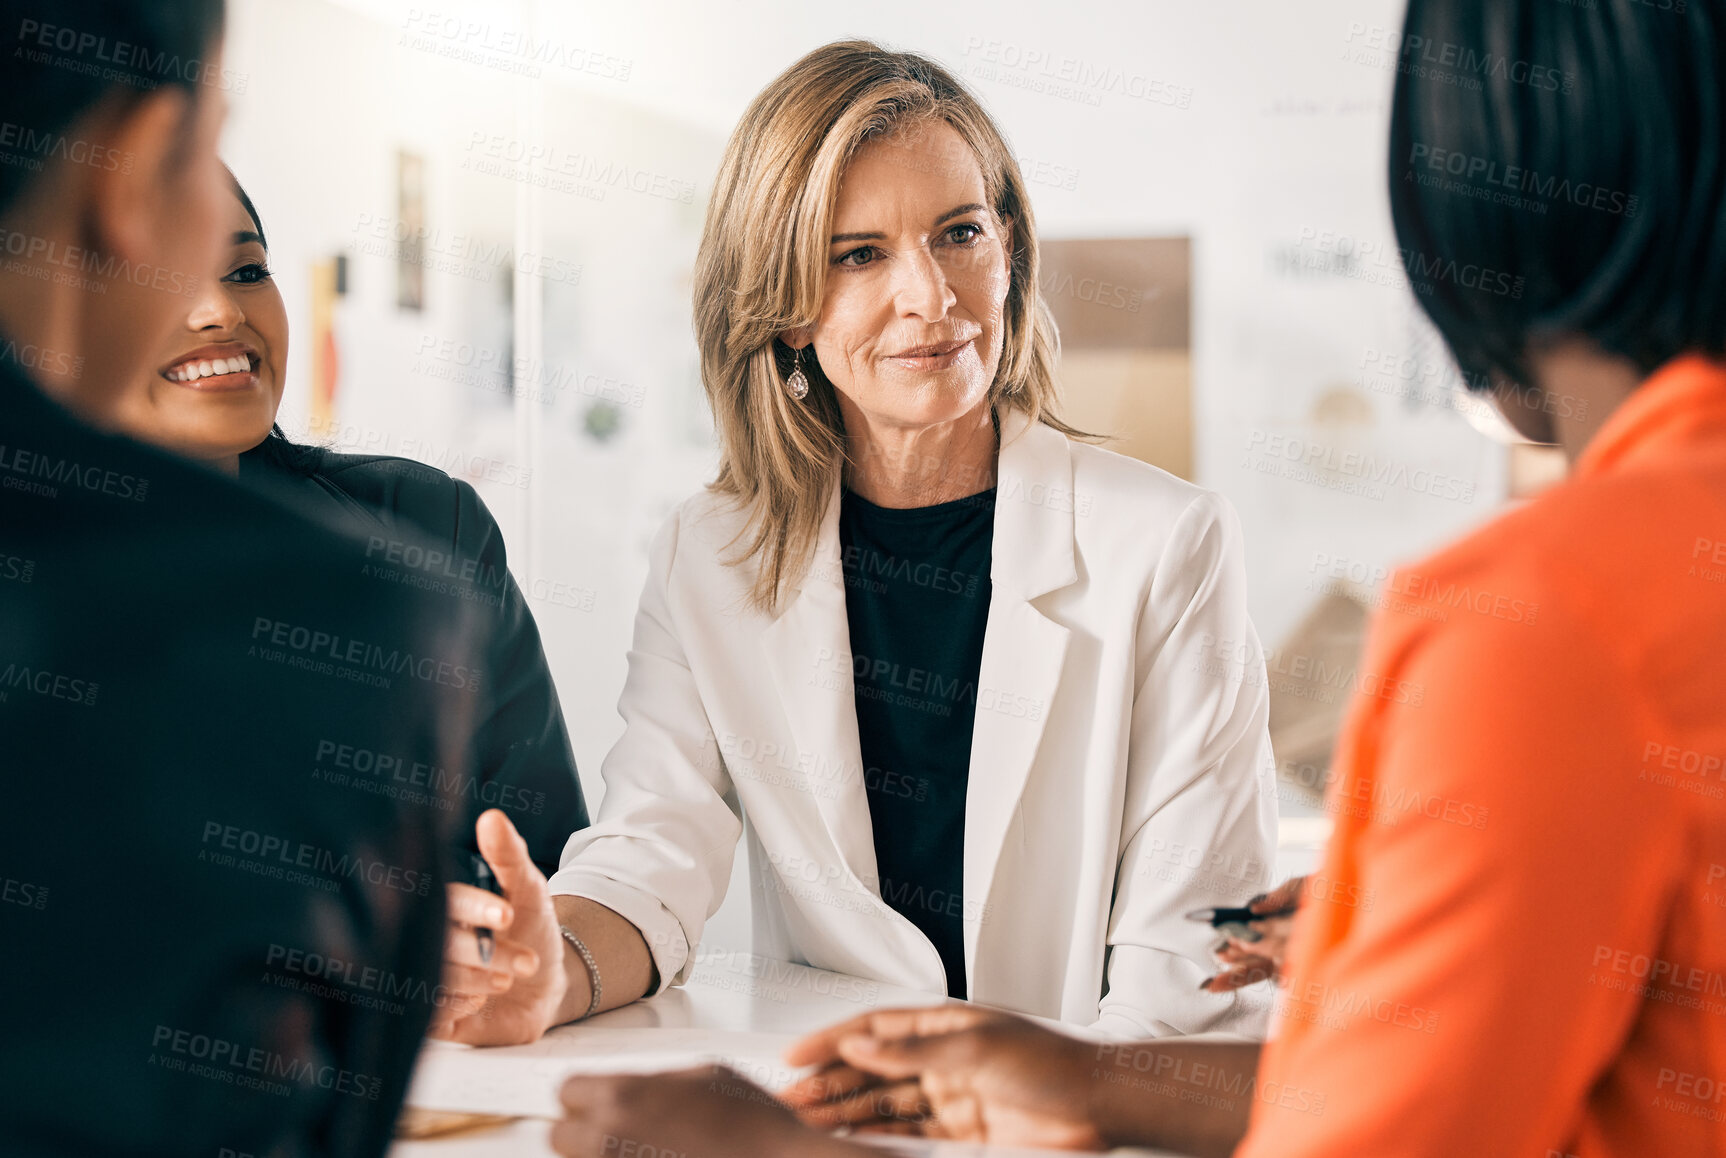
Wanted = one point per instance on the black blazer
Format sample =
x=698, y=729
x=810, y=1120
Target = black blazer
x=207, y=944
x=525, y=765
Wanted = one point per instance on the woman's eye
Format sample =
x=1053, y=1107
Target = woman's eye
x=964, y=234
x=860, y=256
x=250, y=274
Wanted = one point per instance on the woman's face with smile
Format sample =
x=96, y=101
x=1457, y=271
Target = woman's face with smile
x=912, y=320
x=217, y=384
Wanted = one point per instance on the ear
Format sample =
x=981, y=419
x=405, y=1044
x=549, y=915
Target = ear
x=151, y=135
x=799, y=338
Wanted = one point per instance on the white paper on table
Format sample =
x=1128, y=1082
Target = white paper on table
x=523, y=1080
x=932, y=1148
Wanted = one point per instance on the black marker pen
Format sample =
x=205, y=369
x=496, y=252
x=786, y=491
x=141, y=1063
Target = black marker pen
x=482, y=878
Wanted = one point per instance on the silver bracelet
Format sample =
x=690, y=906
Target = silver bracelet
x=592, y=968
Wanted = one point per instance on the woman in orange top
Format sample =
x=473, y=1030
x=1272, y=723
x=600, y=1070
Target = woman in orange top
x=1542, y=971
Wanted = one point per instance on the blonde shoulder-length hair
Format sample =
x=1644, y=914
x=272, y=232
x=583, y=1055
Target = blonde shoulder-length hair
x=762, y=270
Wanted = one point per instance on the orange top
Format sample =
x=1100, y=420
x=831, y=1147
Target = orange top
x=1517, y=944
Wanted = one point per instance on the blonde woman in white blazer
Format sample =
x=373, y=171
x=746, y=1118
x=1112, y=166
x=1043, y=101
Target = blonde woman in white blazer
x=874, y=348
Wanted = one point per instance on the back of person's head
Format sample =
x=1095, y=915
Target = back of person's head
x=66, y=57
x=1558, y=170
x=109, y=182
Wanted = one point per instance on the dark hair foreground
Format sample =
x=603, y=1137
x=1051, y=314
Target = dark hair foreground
x=66, y=57
x=1560, y=169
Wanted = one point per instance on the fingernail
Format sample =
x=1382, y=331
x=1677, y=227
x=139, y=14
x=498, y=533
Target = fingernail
x=494, y=914
x=523, y=964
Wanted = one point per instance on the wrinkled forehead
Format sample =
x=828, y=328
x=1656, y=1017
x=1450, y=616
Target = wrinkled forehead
x=924, y=140
x=925, y=158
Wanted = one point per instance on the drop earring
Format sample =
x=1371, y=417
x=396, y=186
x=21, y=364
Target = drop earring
x=798, y=383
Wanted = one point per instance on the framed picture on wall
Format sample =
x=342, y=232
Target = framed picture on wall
x=411, y=213
x=1124, y=308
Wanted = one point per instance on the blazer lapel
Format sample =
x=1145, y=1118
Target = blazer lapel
x=1023, y=650
x=808, y=654
x=807, y=650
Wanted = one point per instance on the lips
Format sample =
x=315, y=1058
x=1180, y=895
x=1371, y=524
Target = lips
x=226, y=366
x=937, y=350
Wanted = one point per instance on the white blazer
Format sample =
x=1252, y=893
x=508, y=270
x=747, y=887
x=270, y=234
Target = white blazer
x=1121, y=770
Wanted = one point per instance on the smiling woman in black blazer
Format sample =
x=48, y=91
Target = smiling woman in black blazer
x=213, y=397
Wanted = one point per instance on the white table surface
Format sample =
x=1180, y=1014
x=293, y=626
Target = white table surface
x=738, y=1007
